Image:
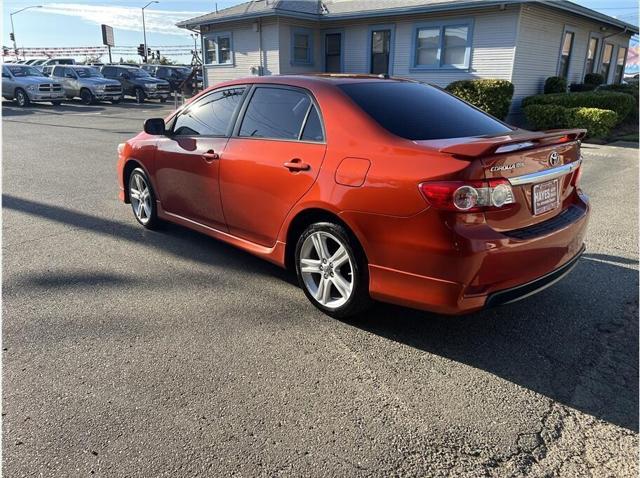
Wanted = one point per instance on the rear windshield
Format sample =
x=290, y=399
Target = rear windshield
x=417, y=111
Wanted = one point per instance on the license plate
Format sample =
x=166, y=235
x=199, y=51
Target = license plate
x=545, y=197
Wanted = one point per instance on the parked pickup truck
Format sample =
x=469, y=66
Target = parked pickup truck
x=87, y=83
x=26, y=84
x=137, y=83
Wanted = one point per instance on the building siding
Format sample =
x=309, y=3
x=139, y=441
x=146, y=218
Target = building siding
x=246, y=51
x=538, y=48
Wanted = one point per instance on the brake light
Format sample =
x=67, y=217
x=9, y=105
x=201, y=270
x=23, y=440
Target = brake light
x=468, y=196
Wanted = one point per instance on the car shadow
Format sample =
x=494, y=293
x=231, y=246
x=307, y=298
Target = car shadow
x=575, y=342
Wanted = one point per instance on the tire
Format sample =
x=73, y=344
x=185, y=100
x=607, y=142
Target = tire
x=339, y=289
x=163, y=100
x=87, y=97
x=115, y=102
x=56, y=103
x=22, y=98
x=139, y=94
x=141, y=193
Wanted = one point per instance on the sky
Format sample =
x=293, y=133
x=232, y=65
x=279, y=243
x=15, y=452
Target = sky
x=67, y=23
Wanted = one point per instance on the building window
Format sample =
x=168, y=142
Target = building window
x=442, y=46
x=592, y=50
x=605, y=66
x=565, y=54
x=218, y=49
x=620, y=62
x=301, y=46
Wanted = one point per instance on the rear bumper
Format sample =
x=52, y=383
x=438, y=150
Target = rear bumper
x=477, y=267
x=523, y=291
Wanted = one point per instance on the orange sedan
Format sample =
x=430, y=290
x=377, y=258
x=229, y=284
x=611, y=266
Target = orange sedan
x=368, y=187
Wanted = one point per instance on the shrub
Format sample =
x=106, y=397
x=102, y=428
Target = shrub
x=621, y=103
x=631, y=90
x=555, y=84
x=595, y=79
x=578, y=87
x=545, y=116
x=597, y=122
x=491, y=96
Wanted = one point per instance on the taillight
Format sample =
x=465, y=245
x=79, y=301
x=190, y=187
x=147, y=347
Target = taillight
x=468, y=196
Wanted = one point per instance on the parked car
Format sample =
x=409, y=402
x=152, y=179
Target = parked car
x=87, y=83
x=25, y=84
x=137, y=83
x=423, y=200
x=59, y=61
x=38, y=62
x=175, y=75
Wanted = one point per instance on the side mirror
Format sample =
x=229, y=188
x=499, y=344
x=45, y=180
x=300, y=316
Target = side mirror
x=69, y=75
x=155, y=126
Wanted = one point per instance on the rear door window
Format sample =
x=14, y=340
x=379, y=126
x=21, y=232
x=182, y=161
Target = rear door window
x=210, y=115
x=275, y=113
x=417, y=111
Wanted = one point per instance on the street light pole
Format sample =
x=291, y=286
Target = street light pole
x=144, y=30
x=13, y=31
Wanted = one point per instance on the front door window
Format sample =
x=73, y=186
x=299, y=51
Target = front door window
x=380, y=51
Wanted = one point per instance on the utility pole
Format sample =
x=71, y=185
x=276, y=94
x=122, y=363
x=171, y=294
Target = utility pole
x=13, y=31
x=144, y=30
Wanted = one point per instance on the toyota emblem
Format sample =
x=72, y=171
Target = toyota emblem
x=554, y=159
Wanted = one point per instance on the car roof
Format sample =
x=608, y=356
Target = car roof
x=319, y=79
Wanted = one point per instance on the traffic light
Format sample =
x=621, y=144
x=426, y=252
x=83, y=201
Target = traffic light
x=148, y=52
x=158, y=54
x=141, y=49
x=12, y=37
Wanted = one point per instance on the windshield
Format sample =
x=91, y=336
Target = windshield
x=184, y=71
x=138, y=73
x=417, y=111
x=88, y=73
x=20, y=71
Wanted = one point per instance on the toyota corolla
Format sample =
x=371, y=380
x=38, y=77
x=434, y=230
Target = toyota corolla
x=368, y=187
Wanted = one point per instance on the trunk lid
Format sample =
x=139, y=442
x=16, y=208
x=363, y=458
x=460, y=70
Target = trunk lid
x=539, y=165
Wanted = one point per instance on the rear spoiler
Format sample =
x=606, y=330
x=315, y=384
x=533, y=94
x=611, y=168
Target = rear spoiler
x=505, y=144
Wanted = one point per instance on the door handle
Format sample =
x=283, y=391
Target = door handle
x=297, y=164
x=210, y=155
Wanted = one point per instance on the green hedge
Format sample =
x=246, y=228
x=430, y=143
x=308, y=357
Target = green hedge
x=545, y=116
x=555, y=84
x=597, y=122
x=492, y=96
x=628, y=90
x=621, y=103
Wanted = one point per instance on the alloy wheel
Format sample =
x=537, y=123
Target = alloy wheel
x=327, y=269
x=21, y=98
x=140, y=196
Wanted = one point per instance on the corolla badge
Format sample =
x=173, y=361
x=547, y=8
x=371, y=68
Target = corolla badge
x=554, y=159
x=506, y=167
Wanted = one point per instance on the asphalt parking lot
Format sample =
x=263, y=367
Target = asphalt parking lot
x=135, y=353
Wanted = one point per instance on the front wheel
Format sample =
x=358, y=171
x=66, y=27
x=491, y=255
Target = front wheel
x=163, y=100
x=87, y=97
x=56, y=103
x=143, y=201
x=22, y=98
x=115, y=102
x=139, y=95
x=332, y=270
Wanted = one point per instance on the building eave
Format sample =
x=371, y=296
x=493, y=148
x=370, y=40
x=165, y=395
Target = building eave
x=565, y=5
